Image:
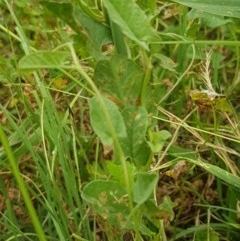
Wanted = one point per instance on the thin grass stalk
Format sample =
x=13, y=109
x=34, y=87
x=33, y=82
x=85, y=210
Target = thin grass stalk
x=22, y=187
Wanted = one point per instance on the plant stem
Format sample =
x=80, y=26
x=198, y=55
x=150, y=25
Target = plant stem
x=23, y=189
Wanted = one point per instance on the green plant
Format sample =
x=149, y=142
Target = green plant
x=106, y=139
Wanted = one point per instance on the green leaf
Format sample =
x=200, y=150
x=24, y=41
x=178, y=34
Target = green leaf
x=46, y=60
x=158, y=139
x=132, y=20
x=192, y=30
x=120, y=78
x=163, y=211
x=98, y=33
x=148, y=5
x=108, y=199
x=220, y=173
x=229, y=8
x=210, y=20
x=144, y=187
x=116, y=171
x=106, y=120
x=118, y=37
x=206, y=234
x=167, y=205
x=64, y=11
x=166, y=62
x=135, y=145
x=175, y=151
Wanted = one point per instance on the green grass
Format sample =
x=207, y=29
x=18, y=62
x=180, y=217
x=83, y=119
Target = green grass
x=100, y=138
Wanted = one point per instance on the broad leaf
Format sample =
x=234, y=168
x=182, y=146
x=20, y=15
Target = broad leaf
x=120, y=78
x=40, y=60
x=229, y=8
x=132, y=20
x=116, y=172
x=135, y=145
x=144, y=187
x=106, y=120
x=98, y=33
x=108, y=199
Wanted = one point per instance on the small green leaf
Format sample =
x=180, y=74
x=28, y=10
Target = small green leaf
x=167, y=205
x=144, y=187
x=158, y=139
x=46, y=60
x=106, y=120
x=163, y=211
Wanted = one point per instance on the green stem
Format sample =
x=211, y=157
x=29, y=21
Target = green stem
x=146, y=80
x=117, y=146
x=23, y=189
x=200, y=42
